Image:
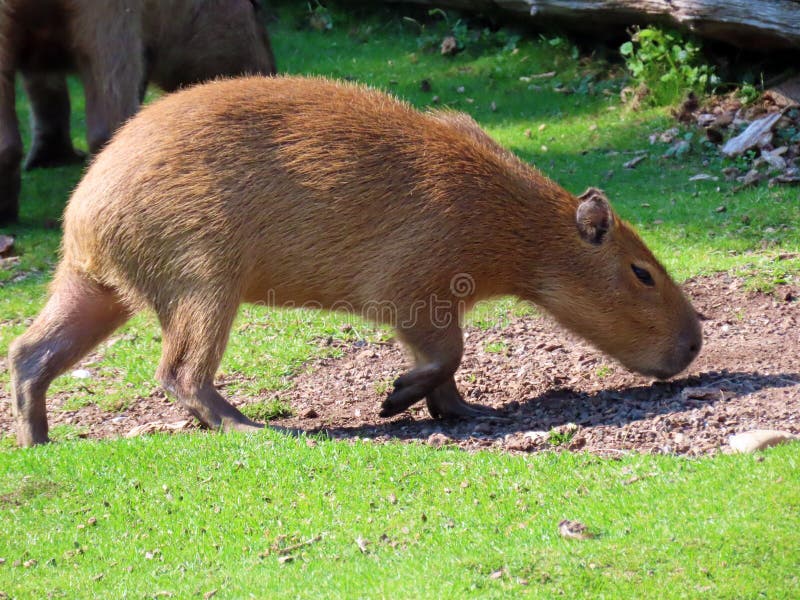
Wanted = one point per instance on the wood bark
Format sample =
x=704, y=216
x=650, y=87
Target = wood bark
x=752, y=24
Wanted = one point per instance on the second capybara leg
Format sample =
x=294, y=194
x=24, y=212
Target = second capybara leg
x=446, y=401
x=437, y=353
x=50, y=111
x=78, y=315
x=10, y=150
x=194, y=339
x=111, y=86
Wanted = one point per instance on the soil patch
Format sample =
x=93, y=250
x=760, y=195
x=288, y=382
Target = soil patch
x=551, y=389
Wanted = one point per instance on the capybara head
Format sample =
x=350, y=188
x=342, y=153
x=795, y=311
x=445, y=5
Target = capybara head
x=614, y=292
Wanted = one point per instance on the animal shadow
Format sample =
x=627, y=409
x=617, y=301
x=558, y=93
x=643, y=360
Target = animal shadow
x=612, y=407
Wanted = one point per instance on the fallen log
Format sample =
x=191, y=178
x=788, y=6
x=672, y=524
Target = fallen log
x=751, y=24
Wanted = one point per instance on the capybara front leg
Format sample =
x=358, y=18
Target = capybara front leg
x=52, y=143
x=437, y=353
x=78, y=315
x=195, y=335
x=446, y=402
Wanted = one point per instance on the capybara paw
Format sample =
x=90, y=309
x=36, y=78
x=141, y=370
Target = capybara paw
x=457, y=408
x=26, y=439
x=398, y=401
x=242, y=425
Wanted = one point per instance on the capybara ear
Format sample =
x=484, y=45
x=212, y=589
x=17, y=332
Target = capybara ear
x=594, y=217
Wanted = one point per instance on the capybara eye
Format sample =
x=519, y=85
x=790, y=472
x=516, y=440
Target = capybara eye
x=643, y=275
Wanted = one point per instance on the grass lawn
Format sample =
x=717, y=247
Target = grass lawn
x=275, y=516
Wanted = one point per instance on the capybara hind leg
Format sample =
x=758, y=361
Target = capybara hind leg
x=195, y=336
x=78, y=315
x=437, y=353
x=446, y=402
x=10, y=148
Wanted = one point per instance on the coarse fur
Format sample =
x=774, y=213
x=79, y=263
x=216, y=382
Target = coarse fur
x=116, y=47
x=293, y=191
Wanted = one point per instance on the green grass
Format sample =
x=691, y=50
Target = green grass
x=268, y=410
x=193, y=513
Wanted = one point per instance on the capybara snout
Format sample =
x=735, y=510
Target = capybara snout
x=290, y=191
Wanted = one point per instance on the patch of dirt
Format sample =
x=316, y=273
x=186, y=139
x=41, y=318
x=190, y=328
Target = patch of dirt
x=544, y=379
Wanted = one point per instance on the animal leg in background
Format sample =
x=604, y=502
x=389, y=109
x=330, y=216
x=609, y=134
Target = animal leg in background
x=50, y=109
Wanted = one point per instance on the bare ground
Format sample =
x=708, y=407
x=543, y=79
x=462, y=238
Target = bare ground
x=542, y=380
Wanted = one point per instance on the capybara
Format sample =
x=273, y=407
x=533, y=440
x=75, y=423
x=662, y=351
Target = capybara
x=293, y=191
x=116, y=47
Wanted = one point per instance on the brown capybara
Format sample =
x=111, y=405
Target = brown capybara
x=116, y=47
x=292, y=191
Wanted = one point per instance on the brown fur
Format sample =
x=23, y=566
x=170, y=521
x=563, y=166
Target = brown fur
x=116, y=46
x=292, y=190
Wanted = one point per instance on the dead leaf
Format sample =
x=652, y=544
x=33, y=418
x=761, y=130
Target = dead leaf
x=155, y=426
x=362, y=544
x=298, y=545
x=752, y=136
x=574, y=530
x=632, y=163
x=449, y=46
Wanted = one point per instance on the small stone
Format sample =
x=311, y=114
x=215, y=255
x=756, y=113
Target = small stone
x=437, y=440
x=81, y=374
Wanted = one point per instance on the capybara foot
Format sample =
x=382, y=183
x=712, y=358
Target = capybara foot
x=243, y=424
x=53, y=156
x=9, y=197
x=445, y=402
x=8, y=214
x=30, y=434
x=405, y=394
